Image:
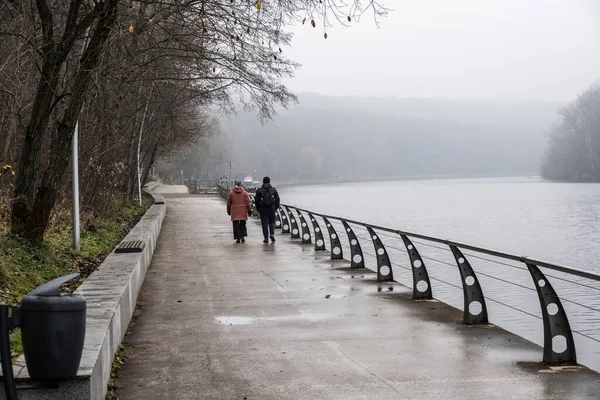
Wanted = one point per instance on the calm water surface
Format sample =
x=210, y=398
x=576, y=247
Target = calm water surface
x=556, y=222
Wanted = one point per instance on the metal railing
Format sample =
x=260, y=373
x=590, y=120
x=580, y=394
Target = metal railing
x=195, y=186
x=558, y=345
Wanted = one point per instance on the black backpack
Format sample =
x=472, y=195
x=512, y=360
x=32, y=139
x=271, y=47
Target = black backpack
x=268, y=198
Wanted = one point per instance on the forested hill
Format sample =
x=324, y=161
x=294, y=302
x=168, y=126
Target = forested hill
x=573, y=152
x=524, y=115
x=353, y=137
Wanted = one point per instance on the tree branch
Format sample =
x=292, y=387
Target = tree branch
x=47, y=25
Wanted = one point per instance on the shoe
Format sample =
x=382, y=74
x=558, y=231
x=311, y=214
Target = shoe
x=272, y=238
x=266, y=240
x=237, y=240
x=243, y=240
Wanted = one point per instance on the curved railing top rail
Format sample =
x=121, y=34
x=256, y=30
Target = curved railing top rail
x=478, y=249
x=491, y=252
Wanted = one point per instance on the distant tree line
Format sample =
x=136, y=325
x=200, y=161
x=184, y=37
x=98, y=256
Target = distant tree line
x=329, y=142
x=137, y=78
x=573, y=152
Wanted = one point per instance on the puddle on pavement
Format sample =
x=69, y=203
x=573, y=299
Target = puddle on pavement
x=353, y=289
x=235, y=320
x=346, y=288
x=239, y=320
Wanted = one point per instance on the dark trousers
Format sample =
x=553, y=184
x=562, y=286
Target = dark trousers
x=267, y=220
x=239, y=229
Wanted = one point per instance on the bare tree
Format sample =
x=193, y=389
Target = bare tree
x=573, y=152
x=108, y=54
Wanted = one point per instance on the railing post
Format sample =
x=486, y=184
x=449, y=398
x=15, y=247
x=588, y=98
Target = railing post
x=294, y=224
x=421, y=283
x=475, y=310
x=254, y=207
x=285, y=221
x=357, y=259
x=319, y=240
x=559, y=346
x=305, y=229
x=384, y=265
x=336, y=246
x=277, y=219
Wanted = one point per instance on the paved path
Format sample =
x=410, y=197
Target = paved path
x=219, y=320
x=161, y=188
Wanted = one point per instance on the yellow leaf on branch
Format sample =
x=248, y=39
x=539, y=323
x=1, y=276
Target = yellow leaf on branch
x=257, y=4
x=130, y=28
x=303, y=20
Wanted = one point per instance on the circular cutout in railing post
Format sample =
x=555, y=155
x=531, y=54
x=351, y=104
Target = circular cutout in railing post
x=336, y=246
x=472, y=293
x=384, y=265
x=559, y=346
x=475, y=308
x=422, y=286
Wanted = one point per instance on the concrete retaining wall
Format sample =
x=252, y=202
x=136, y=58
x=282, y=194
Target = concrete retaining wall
x=111, y=292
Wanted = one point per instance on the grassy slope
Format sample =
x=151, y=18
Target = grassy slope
x=24, y=265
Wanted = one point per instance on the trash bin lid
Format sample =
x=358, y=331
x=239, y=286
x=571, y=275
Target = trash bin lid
x=67, y=302
x=52, y=288
x=48, y=297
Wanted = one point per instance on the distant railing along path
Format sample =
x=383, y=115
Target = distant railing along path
x=559, y=345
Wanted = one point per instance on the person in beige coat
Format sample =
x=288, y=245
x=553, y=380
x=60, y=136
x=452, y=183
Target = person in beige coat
x=239, y=208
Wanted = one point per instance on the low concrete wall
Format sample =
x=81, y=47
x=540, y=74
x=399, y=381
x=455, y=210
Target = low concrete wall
x=111, y=292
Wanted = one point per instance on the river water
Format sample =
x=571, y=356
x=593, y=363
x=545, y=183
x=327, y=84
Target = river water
x=556, y=222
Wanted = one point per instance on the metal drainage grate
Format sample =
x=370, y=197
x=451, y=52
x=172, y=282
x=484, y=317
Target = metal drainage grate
x=135, y=246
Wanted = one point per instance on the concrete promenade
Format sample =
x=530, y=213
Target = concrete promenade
x=220, y=320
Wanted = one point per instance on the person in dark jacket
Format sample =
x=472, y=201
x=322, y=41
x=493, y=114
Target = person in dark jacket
x=239, y=207
x=267, y=202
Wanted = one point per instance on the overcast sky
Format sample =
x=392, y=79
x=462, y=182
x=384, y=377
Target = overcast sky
x=515, y=50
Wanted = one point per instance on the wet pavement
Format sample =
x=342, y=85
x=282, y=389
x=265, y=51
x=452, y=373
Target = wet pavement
x=220, y=320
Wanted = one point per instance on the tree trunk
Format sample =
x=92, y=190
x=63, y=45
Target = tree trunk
x=61, y=155
x=54, y=56
x=12, y=127
x=150, y=164
x=34, y=136
x=131, y=163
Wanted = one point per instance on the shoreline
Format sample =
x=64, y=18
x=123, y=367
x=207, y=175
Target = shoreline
x=314, y=182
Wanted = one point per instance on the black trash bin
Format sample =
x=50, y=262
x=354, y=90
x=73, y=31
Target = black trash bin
x=53, y=331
